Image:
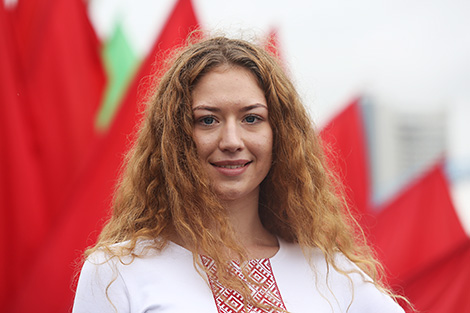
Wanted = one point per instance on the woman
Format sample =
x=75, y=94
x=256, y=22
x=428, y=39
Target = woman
x=226, y=205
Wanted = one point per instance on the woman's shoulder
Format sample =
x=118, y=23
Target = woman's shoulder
x=130, y=256
x=336, y=277
x=320, y=260
x=127, y=264
x=126, y=249
x=314, y=255
x=367, y=294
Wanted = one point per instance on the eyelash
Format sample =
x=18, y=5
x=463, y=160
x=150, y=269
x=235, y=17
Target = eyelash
x=201, y=120
x=257, y=118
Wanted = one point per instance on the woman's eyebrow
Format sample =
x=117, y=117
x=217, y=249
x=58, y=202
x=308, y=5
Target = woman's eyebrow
x=243, y=109
x=253, y=106
x=207, y=108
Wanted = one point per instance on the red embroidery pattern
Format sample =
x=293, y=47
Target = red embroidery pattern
x=230, y=301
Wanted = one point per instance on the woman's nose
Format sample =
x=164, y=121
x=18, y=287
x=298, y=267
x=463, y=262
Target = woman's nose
x=231, y=137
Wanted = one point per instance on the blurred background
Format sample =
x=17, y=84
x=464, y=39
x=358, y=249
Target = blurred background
x=387, y=83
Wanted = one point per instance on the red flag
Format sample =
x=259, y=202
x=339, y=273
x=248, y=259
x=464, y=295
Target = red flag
x=445, y=286
x=62, y=72
x=49, y=284
x=22, y=223
x=346, y=149
x=41, y=69
x=418, y=235
x=60, y=79
x=418, y=228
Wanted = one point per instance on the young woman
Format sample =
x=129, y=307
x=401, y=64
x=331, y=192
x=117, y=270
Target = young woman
x=226, y=204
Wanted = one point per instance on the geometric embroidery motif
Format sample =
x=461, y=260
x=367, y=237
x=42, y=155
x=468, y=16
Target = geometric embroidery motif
x=265, y=292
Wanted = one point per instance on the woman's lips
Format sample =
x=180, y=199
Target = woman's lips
x=231, y=167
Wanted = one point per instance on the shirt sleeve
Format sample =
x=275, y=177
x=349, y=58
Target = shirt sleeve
x=367, y=298
x=100, y=287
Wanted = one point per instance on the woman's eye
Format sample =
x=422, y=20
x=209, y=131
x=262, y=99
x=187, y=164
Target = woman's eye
x=251, y=119
x=208, y=120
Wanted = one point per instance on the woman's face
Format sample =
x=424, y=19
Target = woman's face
x=232, y=132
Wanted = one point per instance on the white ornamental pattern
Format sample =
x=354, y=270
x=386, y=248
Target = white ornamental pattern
x=265, y=289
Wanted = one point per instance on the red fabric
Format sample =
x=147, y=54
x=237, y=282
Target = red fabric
x=346, y=150
x=444, y=287
x=22, y=223
x=53, y=81
x=418, y=228
x=49, y=287
x=61, y=68
x=417, y=235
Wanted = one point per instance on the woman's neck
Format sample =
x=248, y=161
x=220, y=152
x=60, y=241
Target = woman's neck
x=249, y=231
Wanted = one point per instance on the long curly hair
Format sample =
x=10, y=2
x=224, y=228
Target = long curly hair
x=164, y=191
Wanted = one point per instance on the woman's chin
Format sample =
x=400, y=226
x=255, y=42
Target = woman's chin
x=232, y=195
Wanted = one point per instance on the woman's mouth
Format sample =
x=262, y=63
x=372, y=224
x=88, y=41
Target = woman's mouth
x=231, y=168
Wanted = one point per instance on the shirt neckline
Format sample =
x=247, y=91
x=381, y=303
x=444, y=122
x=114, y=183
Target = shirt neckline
x=279, y=254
